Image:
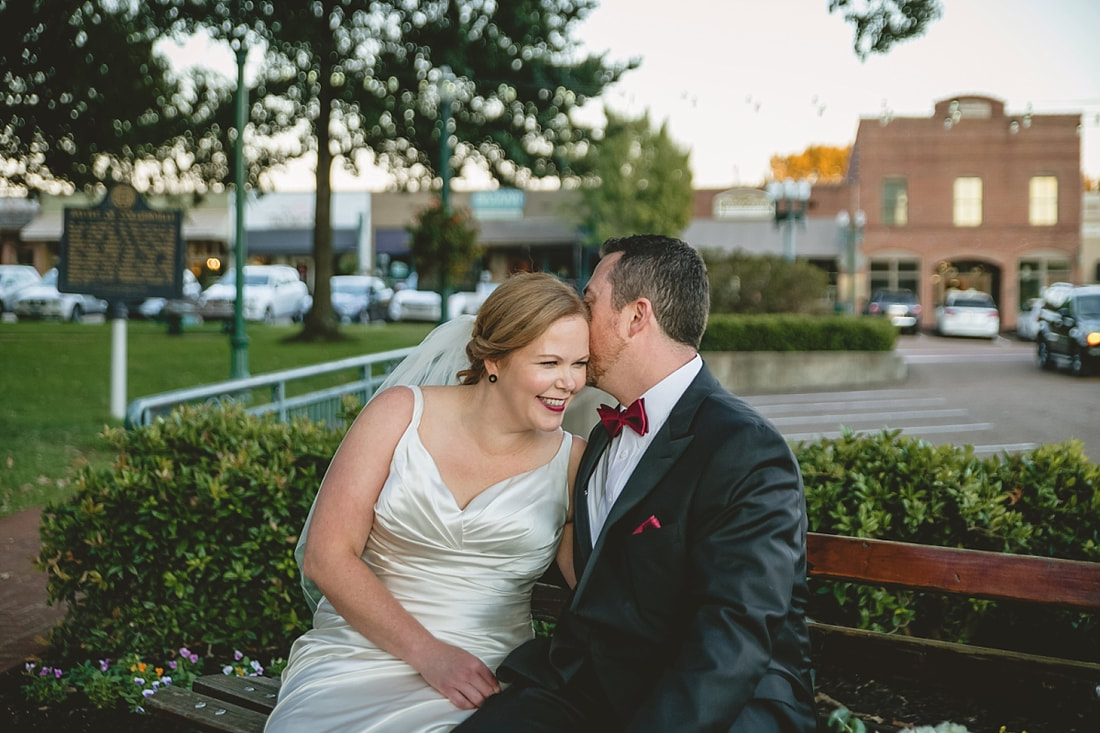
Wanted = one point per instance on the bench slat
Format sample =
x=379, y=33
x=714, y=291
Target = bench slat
x=948, y=665
x=254, y=693
x=205, y=713
x=975, y=573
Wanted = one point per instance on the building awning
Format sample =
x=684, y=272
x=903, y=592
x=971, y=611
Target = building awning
x=532, y=232
x=391, y=241
x=298, y=241
x=16, y=213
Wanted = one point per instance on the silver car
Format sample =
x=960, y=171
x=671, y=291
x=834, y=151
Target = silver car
x=44, y=300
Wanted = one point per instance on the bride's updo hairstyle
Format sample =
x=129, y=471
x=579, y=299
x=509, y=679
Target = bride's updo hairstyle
x=514, y=315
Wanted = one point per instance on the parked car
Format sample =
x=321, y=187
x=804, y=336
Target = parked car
x=44, y=300
x=900, y=306
x=270, y=292
x=1069, y=333
x=415, y=305
x=360, y=298
x=968, y=313
x=164, y=309
x=13, y=279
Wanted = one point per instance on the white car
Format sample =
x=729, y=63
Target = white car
x=13, y=279
x=44, y=300
x=415, y=305
x=271, y=292
x=968, y=313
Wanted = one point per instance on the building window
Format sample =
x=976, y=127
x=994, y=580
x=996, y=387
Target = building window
x=1038, y=272
x=1043, y=201
x=968, y=202
x=892, y=273
x=895, y=202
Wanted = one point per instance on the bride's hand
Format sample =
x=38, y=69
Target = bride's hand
x=458, y=675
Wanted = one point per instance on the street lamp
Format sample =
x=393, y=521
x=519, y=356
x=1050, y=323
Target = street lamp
x=791, y=198
x=446, y=89
x=852, y=227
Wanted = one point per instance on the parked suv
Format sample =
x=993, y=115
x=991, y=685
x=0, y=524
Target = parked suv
x=1069, y=330
x=270, y=292
x=900, y=306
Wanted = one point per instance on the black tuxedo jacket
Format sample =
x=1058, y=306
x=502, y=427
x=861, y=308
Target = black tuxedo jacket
x=682, y=625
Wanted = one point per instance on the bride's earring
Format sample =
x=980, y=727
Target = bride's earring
x=492, y=379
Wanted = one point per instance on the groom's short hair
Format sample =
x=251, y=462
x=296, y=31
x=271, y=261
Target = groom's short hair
x=670, y=274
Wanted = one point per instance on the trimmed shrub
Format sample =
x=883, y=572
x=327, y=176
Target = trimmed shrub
x=189, y=537
x=798, y=333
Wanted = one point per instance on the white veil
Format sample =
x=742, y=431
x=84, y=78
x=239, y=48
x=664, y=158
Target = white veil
x=437, y=360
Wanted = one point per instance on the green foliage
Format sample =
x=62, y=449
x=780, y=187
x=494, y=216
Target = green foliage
x=746, y=283
x=636, y=180
x=440, y=240
x=96, y=111
x=797, y=333
x=129, y=680
x=841, y=720
x=890, y=486
x=880, y=24
x=190, y=535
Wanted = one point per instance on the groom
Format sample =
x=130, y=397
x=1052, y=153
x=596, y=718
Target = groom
x=690, y=537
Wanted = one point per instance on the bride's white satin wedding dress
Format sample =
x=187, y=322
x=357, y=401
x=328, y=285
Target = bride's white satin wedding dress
x=465, y=574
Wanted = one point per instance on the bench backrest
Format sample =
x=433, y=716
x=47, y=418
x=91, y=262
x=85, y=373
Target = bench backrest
x=970, y=573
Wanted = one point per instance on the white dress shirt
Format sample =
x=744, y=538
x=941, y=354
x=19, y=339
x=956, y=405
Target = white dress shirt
x=625, y=450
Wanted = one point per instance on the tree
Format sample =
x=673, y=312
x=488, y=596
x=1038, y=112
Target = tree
x=879, y=24
x=341, y=77
x=747, y=283
x=820, y=162
x=443, y=239
x=88, y=102
x=637, y=181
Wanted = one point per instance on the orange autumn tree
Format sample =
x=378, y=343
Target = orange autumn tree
x=824, y=163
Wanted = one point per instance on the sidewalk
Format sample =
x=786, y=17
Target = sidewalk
x=24, y=615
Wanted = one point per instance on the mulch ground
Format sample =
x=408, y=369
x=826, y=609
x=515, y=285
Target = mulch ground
x=889, y=707
x=882, y=707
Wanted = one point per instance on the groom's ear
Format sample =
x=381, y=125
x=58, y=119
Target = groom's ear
x=641, y=316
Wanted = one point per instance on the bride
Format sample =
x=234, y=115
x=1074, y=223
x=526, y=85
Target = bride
x=441, y=508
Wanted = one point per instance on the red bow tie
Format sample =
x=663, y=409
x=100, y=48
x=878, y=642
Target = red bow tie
x=613, y=419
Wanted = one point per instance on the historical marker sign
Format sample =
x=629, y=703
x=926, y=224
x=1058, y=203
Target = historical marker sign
x=122, y=249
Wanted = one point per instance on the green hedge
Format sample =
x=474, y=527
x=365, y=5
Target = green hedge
x=726, y=332
x=188, y=540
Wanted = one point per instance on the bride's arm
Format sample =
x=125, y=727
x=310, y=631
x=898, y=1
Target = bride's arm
x=338, y=533
x=565, y=548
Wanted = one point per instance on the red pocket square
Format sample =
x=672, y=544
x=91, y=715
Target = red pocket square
x=651, y=523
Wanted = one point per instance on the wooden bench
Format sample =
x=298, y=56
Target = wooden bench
x=220, y=703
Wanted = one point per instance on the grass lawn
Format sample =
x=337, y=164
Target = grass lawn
x=55, y=386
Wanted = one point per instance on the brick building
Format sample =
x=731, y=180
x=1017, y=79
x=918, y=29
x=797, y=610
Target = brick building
x=969, y=197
